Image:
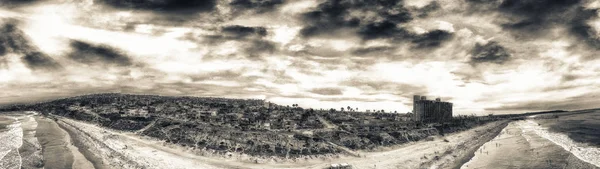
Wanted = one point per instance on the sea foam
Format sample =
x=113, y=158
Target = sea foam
x=11, y=140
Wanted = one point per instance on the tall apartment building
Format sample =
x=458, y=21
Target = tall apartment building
x=431, y=110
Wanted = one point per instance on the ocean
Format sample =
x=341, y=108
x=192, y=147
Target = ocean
x=11, y=138
x=577, y=132
x=582, y=127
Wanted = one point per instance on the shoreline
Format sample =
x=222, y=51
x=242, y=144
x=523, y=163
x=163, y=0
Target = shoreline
x=519, y=146
x=469, y=154
x=54, y=149
x=69, y=143
x=124, y=142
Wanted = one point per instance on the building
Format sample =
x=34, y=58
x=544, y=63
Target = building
x=431, y=110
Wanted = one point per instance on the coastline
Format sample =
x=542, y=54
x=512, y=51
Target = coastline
x=128, y=149
x=54, y=149
x=68, y=143
x=520, y=146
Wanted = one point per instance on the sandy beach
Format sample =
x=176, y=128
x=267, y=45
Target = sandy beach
x=33, y=141
x=520, y=146
x=130, y=151
x=67, y=143
x=58, y=150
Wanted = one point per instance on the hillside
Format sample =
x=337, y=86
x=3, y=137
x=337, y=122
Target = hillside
x=252, y=127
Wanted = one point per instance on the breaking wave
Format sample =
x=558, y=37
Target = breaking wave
x=585, y=153
x=11, y=140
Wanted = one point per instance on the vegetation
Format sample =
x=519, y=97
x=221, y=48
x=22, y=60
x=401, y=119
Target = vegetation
x=250, y=126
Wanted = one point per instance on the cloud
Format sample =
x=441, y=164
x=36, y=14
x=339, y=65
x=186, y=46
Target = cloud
x=327, y=91
x=166, y=6
x=374, y=87
x=244, y=31
x=481, y=54
x=581, y=28
x=384, y=29
x=377, y=50
x=90, y=54
x=258, y=5
x=432, y=39
x=13, y=40
x=581, y=102
x=492, y=52
x=17, y=3
x=38, y=60
x=529, y=19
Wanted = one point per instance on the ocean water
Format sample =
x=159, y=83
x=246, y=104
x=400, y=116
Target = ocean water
x=11, y=139
x=564, y=139
x=582, y=127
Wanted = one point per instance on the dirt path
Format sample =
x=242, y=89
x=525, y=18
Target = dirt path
x=157, y=154
x=443, y=152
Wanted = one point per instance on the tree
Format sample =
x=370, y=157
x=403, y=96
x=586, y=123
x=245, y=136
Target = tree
x=342, y=109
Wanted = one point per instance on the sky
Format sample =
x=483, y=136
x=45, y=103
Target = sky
x=485, y=56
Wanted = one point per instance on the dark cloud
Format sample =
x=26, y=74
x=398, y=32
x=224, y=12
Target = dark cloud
x=389, y=30
x=384, y=29
x=536, y=16
x=529, y=19
x=492, y=52
x=13, y=40
x=259, y=5
x=570, y=77
x=332, y=15
x=261, y=46
x=244, y=31
x=38, y=60
x=581, y=29
x=328, y=16
x=17, y=3
x=327, y=91
x=87, y=53
x=372, y=50
x=167, y=6
x=432, y=39
x=357, y=16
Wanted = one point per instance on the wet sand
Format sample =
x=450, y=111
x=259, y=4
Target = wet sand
x=30, y=150
x=55, y=151
x=58, y=150
x=518, y=148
